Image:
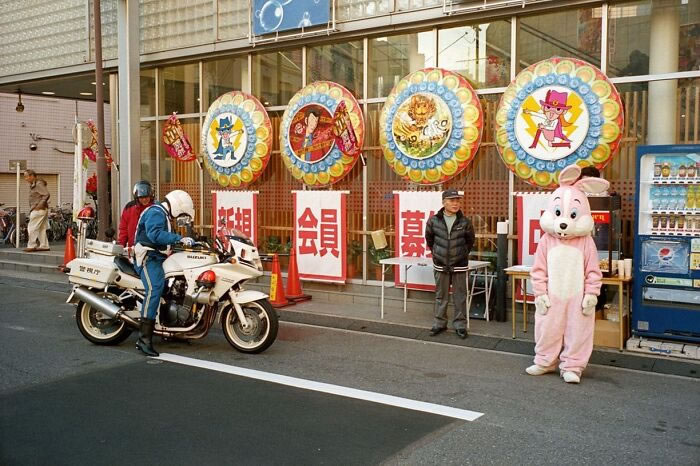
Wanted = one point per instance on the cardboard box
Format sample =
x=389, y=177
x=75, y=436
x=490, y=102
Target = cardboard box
x=607, y=333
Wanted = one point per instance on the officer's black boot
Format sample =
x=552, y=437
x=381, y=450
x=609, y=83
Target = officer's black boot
x=145, y=341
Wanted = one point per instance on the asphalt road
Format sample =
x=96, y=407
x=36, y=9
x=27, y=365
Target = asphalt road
x=66, y=401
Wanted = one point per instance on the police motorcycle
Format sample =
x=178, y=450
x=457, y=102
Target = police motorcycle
x=204, y=283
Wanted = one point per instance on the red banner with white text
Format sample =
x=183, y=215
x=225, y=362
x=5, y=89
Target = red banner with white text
x=320, y=235
x=235, y=210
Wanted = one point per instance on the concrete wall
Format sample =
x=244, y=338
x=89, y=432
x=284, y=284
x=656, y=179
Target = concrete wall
x=48, y=118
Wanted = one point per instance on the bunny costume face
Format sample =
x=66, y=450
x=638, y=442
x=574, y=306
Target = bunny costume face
x=568, y=214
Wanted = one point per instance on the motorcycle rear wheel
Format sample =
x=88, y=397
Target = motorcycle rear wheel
x=98, y=328
x=262, y=333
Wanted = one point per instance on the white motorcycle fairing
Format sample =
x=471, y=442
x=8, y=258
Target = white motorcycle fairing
x=179, y=261
x=247, y=296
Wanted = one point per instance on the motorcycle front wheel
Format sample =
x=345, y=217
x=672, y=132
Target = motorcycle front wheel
x=262, y=331
x=98, y=327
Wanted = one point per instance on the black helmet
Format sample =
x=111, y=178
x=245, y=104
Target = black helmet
x=142, y=189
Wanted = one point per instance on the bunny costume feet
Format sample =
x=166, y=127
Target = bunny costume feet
x=536, y=369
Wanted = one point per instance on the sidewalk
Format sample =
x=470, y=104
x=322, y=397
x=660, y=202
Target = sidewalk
x=493, y=336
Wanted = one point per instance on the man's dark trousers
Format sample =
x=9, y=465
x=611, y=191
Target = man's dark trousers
x=458, y=281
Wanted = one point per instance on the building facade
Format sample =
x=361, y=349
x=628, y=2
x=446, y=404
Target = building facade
x=190, y=52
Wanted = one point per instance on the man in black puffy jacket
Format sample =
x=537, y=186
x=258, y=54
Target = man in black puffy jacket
x=450, y=237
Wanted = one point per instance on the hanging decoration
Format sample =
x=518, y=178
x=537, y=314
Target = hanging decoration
x=430, y=126
x=236, y=139
x=91, y=186
x=322, y=133
x=556, y=113
x=175, y=140
x=90, y=152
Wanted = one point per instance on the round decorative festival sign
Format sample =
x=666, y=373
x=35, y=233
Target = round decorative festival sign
x=237, y=139
x=321, y=133
x=431, y=126
x=556, y=113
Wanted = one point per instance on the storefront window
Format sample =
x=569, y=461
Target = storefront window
x=148, y=151
x=148, y=92
x=221, y=76
x=277, y=76
x=391, y=58
x=634, y=26
x=179, y=89
x=635, y=97
x=175, y=174
x=382, y=181
x=341, y=63
x=567, y=33
x=480, y=52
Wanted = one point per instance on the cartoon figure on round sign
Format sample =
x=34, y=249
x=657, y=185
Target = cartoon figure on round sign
x=311, y=133
x=554, y=107
x=226, y=144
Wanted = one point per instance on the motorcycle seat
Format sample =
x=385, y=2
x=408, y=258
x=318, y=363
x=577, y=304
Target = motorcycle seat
x=125, y=265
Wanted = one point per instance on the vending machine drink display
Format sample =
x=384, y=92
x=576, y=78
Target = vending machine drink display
x=666, y=299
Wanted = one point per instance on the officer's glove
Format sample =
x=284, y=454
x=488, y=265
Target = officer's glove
x=187, y=241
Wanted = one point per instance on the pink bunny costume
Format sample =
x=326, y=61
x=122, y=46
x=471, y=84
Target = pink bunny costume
x=566, y=278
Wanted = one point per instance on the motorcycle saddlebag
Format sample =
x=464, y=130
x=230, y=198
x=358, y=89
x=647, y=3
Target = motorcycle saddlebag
x=92, y=273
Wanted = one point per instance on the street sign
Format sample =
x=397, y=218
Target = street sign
x=22, y=165
x=85, y=135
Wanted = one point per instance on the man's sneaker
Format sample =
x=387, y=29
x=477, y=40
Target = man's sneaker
x=462, y=333
x=539, y=370
x=436, y=330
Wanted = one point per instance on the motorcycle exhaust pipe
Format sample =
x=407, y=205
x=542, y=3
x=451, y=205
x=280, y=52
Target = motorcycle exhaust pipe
x=108, y=307
x=203, y=296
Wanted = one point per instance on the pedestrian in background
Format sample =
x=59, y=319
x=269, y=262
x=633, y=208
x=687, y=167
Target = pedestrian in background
x=450, y=237
x=38, y=213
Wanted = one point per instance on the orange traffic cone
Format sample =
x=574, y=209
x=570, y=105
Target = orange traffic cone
x=277, y=298
x=294, y=292
x=69, y=254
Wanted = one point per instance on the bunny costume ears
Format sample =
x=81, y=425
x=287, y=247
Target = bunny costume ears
x=569, y=176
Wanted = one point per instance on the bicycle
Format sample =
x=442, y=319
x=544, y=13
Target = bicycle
x=7, y=217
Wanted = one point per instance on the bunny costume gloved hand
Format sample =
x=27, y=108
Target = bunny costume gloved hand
x=566, y=279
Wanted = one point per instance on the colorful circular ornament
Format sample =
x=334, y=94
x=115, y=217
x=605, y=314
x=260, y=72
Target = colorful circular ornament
x=431, y=126
x=556, y=113
x=237, y=139
x=321, y=133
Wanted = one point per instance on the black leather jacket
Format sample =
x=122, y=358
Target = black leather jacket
x=450, y=250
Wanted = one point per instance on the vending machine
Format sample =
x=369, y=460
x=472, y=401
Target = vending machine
x=666, y=290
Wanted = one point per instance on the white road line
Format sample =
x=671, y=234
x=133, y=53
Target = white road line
x=373, y=397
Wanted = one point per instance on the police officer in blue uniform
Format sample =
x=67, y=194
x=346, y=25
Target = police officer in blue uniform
x=154, y=236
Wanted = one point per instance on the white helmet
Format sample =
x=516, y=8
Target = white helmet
x=180, y=203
